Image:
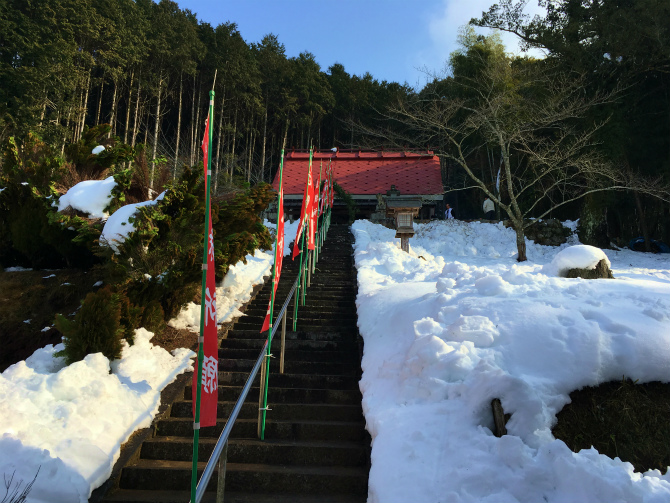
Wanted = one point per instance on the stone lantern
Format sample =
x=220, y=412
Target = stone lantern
x=403, y=211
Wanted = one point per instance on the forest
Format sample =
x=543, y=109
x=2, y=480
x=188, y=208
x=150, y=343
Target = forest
x=145, y=69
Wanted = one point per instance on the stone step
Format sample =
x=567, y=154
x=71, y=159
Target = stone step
x=291, y=367
x=143, y=496
x=321, y=309
x=289, y=395
x=305, y=323
x=299, y=335
x=291, y=429
x=272, y=452
x=291, y=344
x=280, y=411
x=291, y=354
x=292, y=380
x=176, y=476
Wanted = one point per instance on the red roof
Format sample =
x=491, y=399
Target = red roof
x=366, y=173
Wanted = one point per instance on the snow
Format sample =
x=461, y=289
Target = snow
x=90, y=197
x=458, y=322
x=237, y=285
x=119, y=226
x=72, y=419
x=97, y=150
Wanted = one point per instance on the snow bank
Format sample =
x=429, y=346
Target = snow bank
x=458, y=322
x=237, y=285
x=89, y=196
x=72, y=419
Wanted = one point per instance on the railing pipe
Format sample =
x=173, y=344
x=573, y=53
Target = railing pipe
x=222, y=442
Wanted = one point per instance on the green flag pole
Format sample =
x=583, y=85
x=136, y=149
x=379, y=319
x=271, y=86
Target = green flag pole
x=201, y=350
x=272, y=301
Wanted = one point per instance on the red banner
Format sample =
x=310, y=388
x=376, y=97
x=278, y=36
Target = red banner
x=332, y=186
x=279, y=255
x=305, y=212
x=313, y=217
x=209, y=395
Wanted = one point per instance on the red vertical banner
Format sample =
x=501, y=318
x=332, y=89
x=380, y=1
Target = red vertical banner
x=279, y=255
x=313, y=217
x=332, y=186
x=210, y=363
x=305, y=212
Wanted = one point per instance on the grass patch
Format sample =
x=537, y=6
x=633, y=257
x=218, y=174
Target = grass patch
x=620, y=419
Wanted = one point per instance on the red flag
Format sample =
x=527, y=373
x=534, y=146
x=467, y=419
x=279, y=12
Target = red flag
x=279, y=255
x=313, y=217
x=209, y=395
x=305, y=212
x=332, y=186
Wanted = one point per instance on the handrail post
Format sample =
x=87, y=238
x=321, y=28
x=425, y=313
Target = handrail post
x=221, y=477
x=310, y=261
x=283, y=339
x=261, y=394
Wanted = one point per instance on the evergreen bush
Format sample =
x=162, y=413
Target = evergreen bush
x=348, y=200
x=95, y=329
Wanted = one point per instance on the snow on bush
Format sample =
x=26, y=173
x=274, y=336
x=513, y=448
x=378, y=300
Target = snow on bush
x=90, y=197
x=118, y=226
x=575, y=257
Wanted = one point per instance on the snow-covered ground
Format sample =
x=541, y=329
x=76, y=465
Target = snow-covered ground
x=458, y=322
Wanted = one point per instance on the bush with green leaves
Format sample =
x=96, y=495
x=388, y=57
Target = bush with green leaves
x=96, y=328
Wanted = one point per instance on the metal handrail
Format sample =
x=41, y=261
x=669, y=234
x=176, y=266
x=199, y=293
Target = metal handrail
x=222, y=441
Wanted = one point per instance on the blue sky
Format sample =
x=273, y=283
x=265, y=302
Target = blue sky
x=392, y=39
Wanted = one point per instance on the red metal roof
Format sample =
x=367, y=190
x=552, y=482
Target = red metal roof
x=366, y=173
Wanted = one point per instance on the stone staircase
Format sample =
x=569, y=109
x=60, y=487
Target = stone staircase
x=316, y=448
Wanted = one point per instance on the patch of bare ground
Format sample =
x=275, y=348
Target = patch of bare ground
x=29, y=302
x=621, y=419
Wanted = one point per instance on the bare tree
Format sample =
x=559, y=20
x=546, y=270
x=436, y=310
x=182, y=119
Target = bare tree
x=538, y=121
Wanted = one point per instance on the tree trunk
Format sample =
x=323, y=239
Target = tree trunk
x=112, y=120
x=193, y=124
x=44, y=109
x=156, y=130
x=102, y=88
x=76, y=120
x=643, y=221
x=231, y=166
x=176, y=148
x=196, y=134
x=520, y=241
x=137, y=107
x=130, y=100
x=265, y=139
x=85, y=109
x=218, y=141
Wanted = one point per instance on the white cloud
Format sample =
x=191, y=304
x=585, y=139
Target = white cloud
x=447, y=19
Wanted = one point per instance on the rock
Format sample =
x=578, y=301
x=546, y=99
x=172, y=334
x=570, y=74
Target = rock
x=601, y=271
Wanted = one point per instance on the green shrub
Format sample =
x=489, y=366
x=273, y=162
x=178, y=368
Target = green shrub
x=95, y=329
x=348, y=200
x=153, y=318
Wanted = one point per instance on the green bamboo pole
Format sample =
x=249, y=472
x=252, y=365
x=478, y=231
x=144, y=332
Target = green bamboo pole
x=299, y=289
x=201, y=351
x=272, y=301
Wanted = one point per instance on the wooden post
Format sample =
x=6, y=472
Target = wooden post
x=221, y=475
x=498, y=418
